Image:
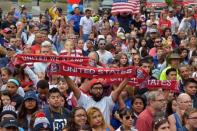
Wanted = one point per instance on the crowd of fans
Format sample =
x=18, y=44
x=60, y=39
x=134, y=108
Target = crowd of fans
x=164, y=45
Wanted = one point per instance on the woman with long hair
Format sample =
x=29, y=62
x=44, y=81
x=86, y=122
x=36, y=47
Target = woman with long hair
x=78, y=119
x=123, y=60
x=27, y=109
x=136, y=60
x=184, y=53
x=132, y=44
x=143, y=48
x=192, y=45
x=96, y=120
x=171, y=107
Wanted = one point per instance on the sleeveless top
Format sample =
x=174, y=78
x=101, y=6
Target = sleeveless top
x=179, y=126
x=107, y=129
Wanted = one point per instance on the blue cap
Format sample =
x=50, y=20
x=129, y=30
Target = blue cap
x=30, y=95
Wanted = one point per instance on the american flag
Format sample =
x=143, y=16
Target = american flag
x=130, y=6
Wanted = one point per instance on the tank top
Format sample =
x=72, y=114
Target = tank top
x=179, y=126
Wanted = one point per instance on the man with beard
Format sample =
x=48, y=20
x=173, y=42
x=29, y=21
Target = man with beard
x=104, y=103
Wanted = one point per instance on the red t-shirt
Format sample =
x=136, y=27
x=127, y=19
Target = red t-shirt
x=145, y=121
x=36, y=49
x=165, y=23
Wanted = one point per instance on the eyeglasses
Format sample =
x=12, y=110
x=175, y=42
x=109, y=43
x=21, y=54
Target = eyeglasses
x=195, y=118
x=185, y=102
x=136, y=58
x=161, y=100
x=97, y=88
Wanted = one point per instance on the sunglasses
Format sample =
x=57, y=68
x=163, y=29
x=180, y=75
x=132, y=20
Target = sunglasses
x=129, y=117
x=136, y=58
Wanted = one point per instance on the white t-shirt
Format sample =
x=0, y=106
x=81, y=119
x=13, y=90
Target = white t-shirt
x=149, y=24
x=40, y=67
x=105, y=56
x=184, y=25
x=105, y=105
x=31, y=39
x=87, y=24
x=174, y=22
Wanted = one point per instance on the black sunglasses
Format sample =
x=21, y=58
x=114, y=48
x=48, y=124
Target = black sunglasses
x=128, y=117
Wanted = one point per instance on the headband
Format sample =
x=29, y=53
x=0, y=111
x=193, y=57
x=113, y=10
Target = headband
x=14, y=81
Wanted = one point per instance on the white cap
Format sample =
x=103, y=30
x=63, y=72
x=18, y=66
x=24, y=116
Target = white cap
x=100, y=36
x=75, y=6
x=46, y=43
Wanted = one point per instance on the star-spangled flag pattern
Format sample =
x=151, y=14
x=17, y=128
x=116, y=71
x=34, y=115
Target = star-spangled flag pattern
x=121, y=6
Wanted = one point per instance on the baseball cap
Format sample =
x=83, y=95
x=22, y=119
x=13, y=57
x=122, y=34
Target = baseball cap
x=153, y=31
x=88, y=9
x=170, y=9
x=44, y=28
x=100, y=37
x=121, y=35
x=8, y=109
x=30, y=95
x=95, y=81
x=11, y=47
x=9, y=122
x=46, y=43
x=74, y=6
x=7, y=30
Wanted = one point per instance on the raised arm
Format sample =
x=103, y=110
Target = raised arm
x=73, y=87
x=117, y=92
x=121, y=103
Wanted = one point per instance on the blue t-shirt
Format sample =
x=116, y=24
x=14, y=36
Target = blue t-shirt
x=76, y=19
x=57, y=120
x=114, y=122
